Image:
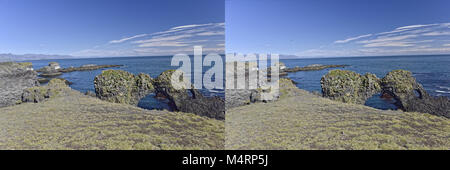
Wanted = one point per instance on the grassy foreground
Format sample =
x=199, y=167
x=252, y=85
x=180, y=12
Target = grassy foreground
x=306, y=121
x=77, y=121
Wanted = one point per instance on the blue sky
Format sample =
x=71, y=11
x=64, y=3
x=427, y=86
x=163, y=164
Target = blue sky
x=110, y=27
x=330, y=28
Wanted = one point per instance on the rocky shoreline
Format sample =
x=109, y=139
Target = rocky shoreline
x=54, y=69
x=313, y=67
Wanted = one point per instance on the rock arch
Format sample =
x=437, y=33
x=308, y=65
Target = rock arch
x=350, y=87
x=120, y=86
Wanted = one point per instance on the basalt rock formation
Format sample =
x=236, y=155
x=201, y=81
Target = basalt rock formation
x=410, y=95
x=38, y=94
x=351, y=87
x=187, y=99
x=120, y=86
x=14, y=78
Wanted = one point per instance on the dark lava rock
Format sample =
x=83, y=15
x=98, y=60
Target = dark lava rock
x=14, y=78
x=312, y=67
x=90, y=93
x=50, y=74
x=349, y=87
x=87, y=67
x=120, y=86
x=46, y=80
x=185, y=99
x=410, y=95
x=43, y=80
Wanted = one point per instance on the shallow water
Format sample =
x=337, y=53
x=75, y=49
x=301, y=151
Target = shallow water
x=433, y=72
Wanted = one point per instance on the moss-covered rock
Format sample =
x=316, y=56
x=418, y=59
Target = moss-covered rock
x=185, y=98
x=38, y=94
x=348, y=86
x=120, y=86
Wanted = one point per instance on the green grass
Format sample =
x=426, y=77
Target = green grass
x=306, y=121
x=76, y=121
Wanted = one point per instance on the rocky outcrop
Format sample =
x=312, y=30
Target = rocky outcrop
x=187, y=99
x=38, y=94
x=87, y=67
x=349, y=87
x=410, y=95
x=241, y=96
x=120, y=86
x=14, y=78
x=312, y=67
x=46, y=80
x=52, y=70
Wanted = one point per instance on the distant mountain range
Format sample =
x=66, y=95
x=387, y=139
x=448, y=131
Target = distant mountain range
x=15, y=57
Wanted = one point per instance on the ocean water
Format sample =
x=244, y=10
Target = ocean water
x=84, y=80
x=433, y=72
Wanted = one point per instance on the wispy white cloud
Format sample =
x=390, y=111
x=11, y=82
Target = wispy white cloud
x=209, y=33
x=165, y=42
x=436, y=33
x=412, y=39
x=163, y=38
x=412, y=26
x=387, y=39
x=352, y=39
x=127, y=38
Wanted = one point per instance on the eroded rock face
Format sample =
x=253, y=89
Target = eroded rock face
x=14, y=78
x=242, y=94
x=39, y=94
x=120, y=86
x=188, y=99
x=410, y=95
x=349, y=87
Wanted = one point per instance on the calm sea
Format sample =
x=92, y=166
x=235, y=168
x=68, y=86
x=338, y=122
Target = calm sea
x=433, y=72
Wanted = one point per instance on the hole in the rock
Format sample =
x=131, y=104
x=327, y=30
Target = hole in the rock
x=383, y=102
x=417, y=94
x=150, y=102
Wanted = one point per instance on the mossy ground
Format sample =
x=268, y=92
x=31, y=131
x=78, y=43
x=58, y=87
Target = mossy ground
x=76, y=121
x=307, y=121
